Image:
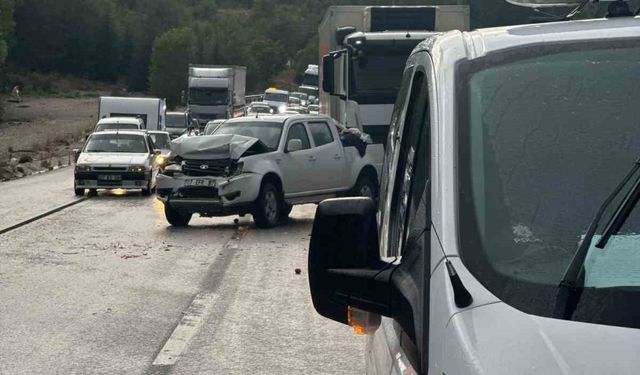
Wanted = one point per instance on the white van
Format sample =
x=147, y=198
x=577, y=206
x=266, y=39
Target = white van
x=491, y=251
x=150, y=110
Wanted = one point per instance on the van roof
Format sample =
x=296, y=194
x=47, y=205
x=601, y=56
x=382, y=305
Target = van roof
x=483, y=41
x=120, y=120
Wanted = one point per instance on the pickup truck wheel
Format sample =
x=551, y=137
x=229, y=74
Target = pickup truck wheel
x=78, y=192
x=93, y=192
x=286, y=210
x=268, y=207
x=175, y=218
x=146, y=192
x=365, y=187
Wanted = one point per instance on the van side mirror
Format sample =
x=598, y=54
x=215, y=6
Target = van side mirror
x=345, y=269
x=294, y=145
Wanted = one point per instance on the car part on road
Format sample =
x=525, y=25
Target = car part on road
x=268, y=206
x=42, y=215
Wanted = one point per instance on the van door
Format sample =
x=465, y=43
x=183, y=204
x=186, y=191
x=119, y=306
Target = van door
x=408, y=233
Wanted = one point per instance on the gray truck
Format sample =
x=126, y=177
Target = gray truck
x=215, y=92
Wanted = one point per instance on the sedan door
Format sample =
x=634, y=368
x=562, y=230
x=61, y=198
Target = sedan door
x=297, y=167
x=330, y=167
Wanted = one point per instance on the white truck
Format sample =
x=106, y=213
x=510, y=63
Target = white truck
x=150, y=110
x=262, y=166
x=366, y=47
x=215, y=92
x=309, y=84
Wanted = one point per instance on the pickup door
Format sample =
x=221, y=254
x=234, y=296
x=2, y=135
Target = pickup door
x=297, y=166
x=329, y=165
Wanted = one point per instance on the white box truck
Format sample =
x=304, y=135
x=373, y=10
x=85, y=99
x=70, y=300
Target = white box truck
x=215, y=92
x=376, y=42
x=150, y=110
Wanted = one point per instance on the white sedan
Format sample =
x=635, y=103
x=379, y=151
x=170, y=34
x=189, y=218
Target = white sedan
x=116, y=159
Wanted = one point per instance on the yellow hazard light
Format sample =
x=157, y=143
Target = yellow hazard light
x=362, y=322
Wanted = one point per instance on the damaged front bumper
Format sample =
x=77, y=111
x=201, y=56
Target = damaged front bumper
x=209, y=195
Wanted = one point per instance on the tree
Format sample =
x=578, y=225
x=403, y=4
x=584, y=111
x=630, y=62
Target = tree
x=172, y=53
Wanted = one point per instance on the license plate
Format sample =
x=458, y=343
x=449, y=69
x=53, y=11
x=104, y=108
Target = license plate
x=200, y=182
x=110, y=177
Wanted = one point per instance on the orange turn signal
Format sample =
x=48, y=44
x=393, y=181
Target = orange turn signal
x=362, y=322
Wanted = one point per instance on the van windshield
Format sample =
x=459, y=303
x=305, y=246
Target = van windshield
x=176, y=121
x=545, y=136
x=275, y=97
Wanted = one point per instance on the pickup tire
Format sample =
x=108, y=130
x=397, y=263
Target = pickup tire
x=268, y=208
x=147, y=192
x=78, y=192
x=175, y=217
x=366, y=186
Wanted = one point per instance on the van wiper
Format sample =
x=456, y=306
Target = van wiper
x=568, y=290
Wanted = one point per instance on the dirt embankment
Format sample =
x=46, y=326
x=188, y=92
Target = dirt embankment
x=40, y=133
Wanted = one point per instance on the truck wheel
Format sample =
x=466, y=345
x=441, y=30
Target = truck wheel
x=93, y=192
x=268, y=207
x=175, y=218
x=365, y=187
x=78, y=192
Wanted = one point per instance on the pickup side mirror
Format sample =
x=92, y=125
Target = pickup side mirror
x=76, y=154
x=294, y=145
x=345, y=269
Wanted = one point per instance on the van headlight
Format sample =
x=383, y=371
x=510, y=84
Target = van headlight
x=171, y=169
x=137, y=168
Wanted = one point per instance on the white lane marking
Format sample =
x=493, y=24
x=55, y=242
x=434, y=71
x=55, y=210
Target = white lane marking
x=186, y=329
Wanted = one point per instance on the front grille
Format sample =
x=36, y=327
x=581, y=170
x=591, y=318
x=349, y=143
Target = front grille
x=217, y=167
x=199, y=192
x=109, y=169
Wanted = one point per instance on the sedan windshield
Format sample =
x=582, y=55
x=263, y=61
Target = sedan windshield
x=130, y=143
x=103, y=127
x=545, y=136
x=267, y=132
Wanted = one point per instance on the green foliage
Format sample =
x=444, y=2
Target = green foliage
x=172, y=53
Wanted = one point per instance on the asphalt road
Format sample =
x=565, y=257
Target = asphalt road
x=106, y=286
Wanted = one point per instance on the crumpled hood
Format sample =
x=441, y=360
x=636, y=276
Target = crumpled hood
x=206, y=147
x=499, y=339
x=115, y=158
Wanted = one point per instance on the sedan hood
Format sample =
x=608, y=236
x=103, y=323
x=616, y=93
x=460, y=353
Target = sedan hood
x=208, y=147
x=498, y=339
x=116, y=158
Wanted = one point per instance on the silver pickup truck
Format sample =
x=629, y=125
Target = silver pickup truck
x=263, y=166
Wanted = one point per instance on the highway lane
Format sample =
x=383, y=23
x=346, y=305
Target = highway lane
x=29, y=196
x=104, y=287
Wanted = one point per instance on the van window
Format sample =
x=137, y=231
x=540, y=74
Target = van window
x=321, y=133
x=297, y=131
x=417, y=111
